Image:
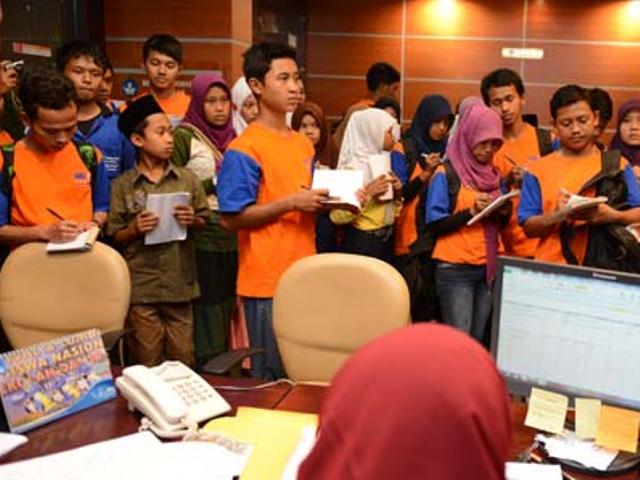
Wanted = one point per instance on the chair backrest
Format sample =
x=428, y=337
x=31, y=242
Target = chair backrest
x=44, y=296
x=327, y=306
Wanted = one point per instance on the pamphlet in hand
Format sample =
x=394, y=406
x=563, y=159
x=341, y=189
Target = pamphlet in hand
x=342, y=186
x=82, y=243
x=168, y=228
x=577, y=203
x=381, y=165
x=493, y=206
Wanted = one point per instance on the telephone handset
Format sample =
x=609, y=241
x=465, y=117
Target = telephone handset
x=172, y=395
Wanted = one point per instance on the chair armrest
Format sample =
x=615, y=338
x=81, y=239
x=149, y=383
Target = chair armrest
x=229, y=362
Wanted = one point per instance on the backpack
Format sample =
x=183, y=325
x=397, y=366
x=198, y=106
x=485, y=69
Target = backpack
x=87, y=153
x=545, y=145
x=610, y=247
x=418, y=268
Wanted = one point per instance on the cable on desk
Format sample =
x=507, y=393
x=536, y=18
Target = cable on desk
x=255, y=387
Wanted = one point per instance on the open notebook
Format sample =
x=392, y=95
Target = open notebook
x=82, y=243
x=343, y=186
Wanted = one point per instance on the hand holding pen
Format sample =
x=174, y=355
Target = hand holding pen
x=62, y=231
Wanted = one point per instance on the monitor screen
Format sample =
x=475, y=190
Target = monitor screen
x=568, y=329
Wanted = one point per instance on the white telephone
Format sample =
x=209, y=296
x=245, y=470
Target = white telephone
x=172, y=395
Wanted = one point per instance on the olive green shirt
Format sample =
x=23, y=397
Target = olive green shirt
x=165, y=272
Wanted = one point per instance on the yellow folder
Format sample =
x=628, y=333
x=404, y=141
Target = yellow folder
x=274, y=435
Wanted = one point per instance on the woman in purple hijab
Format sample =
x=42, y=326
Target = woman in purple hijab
x=199, y=144
x=466, y=256
x=627, y=137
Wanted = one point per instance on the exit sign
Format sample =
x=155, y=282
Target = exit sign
x=524, y=53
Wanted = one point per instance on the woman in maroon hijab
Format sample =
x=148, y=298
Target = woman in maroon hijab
x=424, y=402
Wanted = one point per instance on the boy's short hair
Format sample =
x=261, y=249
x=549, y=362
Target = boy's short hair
x=381, y=73
x=600, y=101
x=388, y=102
x=258, y=58
x=567, y=95
x=502, y=77
x=46, y=88
x=162, y=43
x=76, y=49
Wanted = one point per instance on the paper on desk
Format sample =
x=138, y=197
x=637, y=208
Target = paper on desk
x=532, y=471
x=568, y=446
x=274, y=435
x=10, y=441
x=134, y=456
x=587, y=417
x=547, y=411
x=305, y=445
x=168, y=228
x=618, y=428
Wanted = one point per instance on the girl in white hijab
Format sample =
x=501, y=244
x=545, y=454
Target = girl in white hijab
x=368, y=140
x=245, y=106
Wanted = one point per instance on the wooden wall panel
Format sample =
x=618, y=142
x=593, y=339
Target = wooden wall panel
x=593, y=42
x=370, y=16
x=335, y=95
x=323, y=58
x=142, y=18
x=616, y=20
x=454, y=58
x=488, y=18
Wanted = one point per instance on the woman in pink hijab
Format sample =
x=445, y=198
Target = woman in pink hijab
x=465, y=255
x=423, y=402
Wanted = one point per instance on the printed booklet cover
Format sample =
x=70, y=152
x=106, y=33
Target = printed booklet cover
x=50, y=380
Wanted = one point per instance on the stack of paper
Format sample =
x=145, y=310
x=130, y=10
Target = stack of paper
x=168, y=228
x=532, y=471
x=134, y=456
x=569, y=447
x=342, y=185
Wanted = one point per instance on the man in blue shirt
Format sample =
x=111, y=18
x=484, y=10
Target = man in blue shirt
x=83, y=64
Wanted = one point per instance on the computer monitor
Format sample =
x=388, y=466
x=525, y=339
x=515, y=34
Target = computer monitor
x=572, y=330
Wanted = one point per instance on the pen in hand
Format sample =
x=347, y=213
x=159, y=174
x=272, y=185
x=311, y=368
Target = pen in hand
x=55, y=214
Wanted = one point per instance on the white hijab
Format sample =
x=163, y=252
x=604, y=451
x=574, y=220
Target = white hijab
x=239, y=93
x=364, y=139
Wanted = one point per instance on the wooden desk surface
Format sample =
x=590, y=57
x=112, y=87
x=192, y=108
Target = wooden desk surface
x=112, y=419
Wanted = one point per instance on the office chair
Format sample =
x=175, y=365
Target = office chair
x=44, y=296
x=327, y=306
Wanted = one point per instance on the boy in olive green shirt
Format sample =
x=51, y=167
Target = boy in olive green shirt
x=163, y=276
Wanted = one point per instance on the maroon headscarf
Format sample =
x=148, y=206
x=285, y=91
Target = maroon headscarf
x=326, y=152
x=200, y=85
x=425, y=401
x=478, y=123
x=630, y=153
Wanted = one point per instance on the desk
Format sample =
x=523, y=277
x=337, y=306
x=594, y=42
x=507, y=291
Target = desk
x=112, y=419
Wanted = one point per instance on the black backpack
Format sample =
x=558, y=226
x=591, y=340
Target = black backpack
x=610, y=247
x=418, y=267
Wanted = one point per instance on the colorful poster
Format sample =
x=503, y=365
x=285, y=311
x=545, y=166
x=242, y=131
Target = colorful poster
x=50, y=380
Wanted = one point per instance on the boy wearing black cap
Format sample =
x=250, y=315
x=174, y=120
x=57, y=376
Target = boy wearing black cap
x=163, y=276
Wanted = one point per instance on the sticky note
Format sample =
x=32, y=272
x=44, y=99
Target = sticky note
x=547, y=411
x=618, y=428
x=587, y=417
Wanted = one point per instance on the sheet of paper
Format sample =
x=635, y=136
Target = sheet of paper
x=168, y=229
x=493, y=206
x=342, y=184
x=10, y=441
x=304, y=447
x=587, y=417
x=134, y=456
x=532, y=471
x=547, y=411
x=618, y=428
x=569, y=446
x=381, y=165
x=82, y=242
